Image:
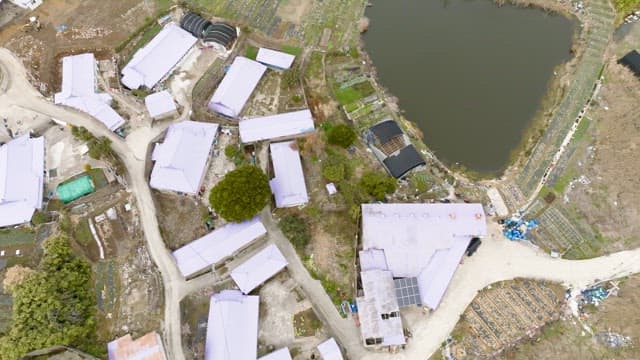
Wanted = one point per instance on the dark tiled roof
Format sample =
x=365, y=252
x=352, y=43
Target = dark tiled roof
x=405, y=160
x=195, y=24
x=221, y=33
x=386, y=130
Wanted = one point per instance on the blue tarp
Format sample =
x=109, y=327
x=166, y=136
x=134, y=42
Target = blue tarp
x=517, y=228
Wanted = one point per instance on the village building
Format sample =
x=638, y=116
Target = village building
x=259, y=268
x=79, y=90
x=21, y=179
x=160, y=105
x=232, y=327
x=154, y=61
x=147, y=347
x=288, y=185
x=393, y=148
x=329, y=350
x=236, y=87
x=274, y=59
x=276, y=127
x=180, y=161
x=218, y=245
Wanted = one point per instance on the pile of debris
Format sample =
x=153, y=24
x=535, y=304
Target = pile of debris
x=594, y=295
x=516, y=228
x=612, y=339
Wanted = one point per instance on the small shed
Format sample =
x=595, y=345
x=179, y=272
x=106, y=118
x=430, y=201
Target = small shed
x=275, y=59
x=160, y=105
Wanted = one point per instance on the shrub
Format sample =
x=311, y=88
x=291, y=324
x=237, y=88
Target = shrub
x=378, y=184
x=39, y=217
x=341, y=135
x=296, y=229
x=336, y=167
x=241, y=194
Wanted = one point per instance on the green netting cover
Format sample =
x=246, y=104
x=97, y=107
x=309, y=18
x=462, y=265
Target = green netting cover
x=74, y=189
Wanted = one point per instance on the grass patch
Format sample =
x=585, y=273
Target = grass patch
x=17, y=236
x=563, y=181
x=82, y=232
x=105, y=285
x=306, y=323
x=98, y=178
x=293, y=50
x=251, y=52
x=624, y=7
x=581, y=130
x=353, y=93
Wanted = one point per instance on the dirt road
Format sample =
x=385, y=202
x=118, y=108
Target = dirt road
x=497, y=259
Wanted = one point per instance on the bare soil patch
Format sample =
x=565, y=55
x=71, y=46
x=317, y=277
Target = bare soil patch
x=181, y=218
x=294, y=10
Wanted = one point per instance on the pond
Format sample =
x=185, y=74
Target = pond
x=469, y=73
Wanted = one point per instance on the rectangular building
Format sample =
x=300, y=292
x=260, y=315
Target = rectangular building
x=79, y=90
x=155, y=60
x=181, y=160
x=275, y=59
x=160, y=105
x=259, y=268
x=217, y=246
x=236, y=87
x=147, y=347
x=280, y=126
x=288, y=186
x=329, y=350
x=232, y=327
x=21, y=179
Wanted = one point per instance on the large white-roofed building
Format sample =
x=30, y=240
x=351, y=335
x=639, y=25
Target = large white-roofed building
x=27, y=4
x=181, y=160
x=160, y=105
x=155, y=60
x=79, y=90
x=282, y=354
x=21, y=179
x=236, y=87
x=288, y=186
x=424, y=242
x=280, y=126
x=232, y=327
x=217, y=245
x=275, y=59
x=329, y=350
x=259, y=268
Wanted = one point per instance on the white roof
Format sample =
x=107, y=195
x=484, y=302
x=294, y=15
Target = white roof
x=282, y=354
x=372, y=259
x=232, y=328
x=259, y=268
x=159, y=104
x=181, y=160
x=276, y=126
x=278, y=59
x=217, y=245
x=78, y=90
x=236, y=86
x=330, y=350
x=380, y=298
x=425, y=241
x=21, y=179
x=288, y=185
x=156, y=59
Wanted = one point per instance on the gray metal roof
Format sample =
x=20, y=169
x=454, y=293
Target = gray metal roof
x=404, y=161
x=386, y=130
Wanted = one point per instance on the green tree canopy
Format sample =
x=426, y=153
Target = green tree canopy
x=54, y=306
x=341, y=135
x=336, y=167
x=378, y=184
x=241, y=194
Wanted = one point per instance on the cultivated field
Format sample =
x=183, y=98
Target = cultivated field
x=503, y=315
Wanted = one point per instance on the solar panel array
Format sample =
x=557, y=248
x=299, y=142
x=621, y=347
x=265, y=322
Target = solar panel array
x=407, y=292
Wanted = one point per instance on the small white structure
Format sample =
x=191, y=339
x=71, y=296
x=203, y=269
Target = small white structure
x=160, y=105
x=21, y=179
x=331, y=188
x=288, y=186
x=181, y=160
x=498, y=202
x=236, y=87
x=156, y=59
x=282, y=354
x=232, y=327
x=259, y=268
x=329, y=350
x=217, y=246
x=27, y=4
x=423, y=241
x=275, y=59
x=79, y=90
x=278, y=126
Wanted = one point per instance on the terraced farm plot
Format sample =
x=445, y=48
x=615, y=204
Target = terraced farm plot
x=500, y=317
